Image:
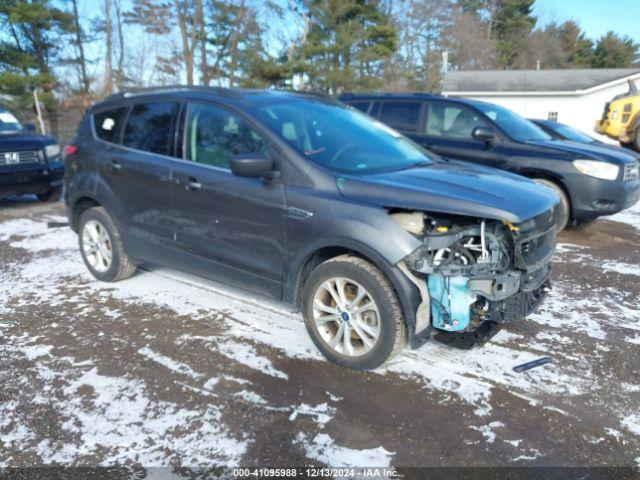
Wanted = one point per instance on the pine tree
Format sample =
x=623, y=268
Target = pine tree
x=614, y=51
x=347, y=44
x=513, y=22
x=30, y=46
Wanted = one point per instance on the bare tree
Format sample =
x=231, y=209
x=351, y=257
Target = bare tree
x=85, y=85
x=108, y=87
x=189, y=14
x=468, y=45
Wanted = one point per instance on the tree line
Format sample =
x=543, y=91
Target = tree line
x=74, y=52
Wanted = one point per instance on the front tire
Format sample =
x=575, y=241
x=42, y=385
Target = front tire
x=352, y=313
x=565, y=206
x=101, y=247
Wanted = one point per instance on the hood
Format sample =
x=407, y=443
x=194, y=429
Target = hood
x=590, y=151
x=454, y=188
x=23, y=141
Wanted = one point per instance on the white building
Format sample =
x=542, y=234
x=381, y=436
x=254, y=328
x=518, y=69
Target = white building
x=574, y=97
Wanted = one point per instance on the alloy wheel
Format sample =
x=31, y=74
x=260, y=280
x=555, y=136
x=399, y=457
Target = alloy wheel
x=97, y=246
x=346, y=316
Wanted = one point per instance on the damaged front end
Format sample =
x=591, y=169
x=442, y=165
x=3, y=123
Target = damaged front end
x=475, y=275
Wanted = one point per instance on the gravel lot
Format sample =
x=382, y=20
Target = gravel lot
x=165, y=369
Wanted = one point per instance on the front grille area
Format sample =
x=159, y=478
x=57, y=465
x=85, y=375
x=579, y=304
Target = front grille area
x=21, y=157
x=631, y=172
x=534, y=251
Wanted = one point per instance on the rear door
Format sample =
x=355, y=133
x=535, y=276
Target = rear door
x=447, y=131
x=138, y=171
x=402, y=115
x=234, y=223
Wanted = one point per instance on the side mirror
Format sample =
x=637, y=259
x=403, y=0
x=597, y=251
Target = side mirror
x=29, y=127
x=483, y=134
x=252, y=165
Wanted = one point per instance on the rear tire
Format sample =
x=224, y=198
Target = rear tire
x=101, y=246
x=53, y=195
x=565, y=212
x=367, y=325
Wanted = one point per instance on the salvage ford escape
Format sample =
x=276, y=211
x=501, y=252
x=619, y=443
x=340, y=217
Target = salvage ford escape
x=300, y=198
x=29, y=163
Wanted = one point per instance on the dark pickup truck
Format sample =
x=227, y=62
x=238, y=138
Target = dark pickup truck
x=29, y=162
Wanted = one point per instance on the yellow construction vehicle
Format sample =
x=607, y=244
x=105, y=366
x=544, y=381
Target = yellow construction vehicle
x=621, y=118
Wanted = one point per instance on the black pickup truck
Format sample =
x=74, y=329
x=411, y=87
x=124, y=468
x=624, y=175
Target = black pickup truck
x=29, y=162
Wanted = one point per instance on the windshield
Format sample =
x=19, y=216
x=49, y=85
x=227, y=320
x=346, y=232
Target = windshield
x=8, y=123
x=341, y=139
x=518, y=128
x=571, y=133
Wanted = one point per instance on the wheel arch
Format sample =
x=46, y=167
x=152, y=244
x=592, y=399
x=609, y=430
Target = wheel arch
x=312, y=257
x=79, y=206
x=545, y=175
x=95, y=193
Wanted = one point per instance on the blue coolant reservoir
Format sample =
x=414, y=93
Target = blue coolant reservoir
x=451, y=302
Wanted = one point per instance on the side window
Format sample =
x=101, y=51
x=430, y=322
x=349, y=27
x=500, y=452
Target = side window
x=362, y=106
x=214, y=135
x=148, y=127
x=107, y=123
x=401, y=115
x=451, y=120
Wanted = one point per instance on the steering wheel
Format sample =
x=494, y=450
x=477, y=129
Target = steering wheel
x=340, y=152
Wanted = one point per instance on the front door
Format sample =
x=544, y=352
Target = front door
x=448, y=129
x=235, y=224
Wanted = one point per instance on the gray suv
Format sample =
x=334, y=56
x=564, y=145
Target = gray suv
x=300, y=198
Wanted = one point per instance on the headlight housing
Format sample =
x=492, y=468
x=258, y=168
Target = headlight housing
x=594, y=168
x=51, y=151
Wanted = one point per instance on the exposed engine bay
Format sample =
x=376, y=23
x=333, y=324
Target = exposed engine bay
x=477, y=270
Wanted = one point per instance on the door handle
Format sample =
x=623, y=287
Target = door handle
x=115, y=165
x=193, y=184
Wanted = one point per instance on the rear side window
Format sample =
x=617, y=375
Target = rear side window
x=148, y=127
x=214, y=135
x=362, y=106
x=400, y=115
x=108, y=122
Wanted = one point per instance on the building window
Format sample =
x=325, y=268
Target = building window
x=553, y=116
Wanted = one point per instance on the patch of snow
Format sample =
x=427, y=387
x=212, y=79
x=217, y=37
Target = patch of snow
x=514, y=443
x=251, y=397
x=635, y=340
x=534, y=453
x=613, y=432
x=35, y=351
x=630, y=216
x=621, y=267
x=487, y=430
x=120, y=422
x=323, y=449
x=246, y=355
x=632, y=423
x=211, y=383
x=169, y=363
x=321, y=414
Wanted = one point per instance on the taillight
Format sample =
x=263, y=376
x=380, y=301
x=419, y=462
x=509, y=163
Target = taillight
x=70, y=150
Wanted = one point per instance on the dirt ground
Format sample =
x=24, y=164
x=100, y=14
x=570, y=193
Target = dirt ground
x=169, y=370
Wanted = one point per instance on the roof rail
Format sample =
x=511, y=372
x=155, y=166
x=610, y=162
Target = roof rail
x=383, y=92
x=132, y=92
